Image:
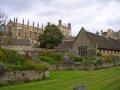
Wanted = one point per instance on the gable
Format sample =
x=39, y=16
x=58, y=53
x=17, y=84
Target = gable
x=82, y=40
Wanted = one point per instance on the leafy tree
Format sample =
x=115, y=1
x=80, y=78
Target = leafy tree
x=3, y=17
x=51, y=37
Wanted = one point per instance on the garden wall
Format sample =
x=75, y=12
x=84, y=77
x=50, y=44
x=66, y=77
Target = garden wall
x=22, y=76
x=83, y=66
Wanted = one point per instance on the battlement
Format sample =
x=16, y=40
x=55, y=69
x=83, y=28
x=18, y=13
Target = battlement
x=111, y=34
x=60, y=24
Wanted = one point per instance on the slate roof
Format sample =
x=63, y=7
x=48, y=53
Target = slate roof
x=100, y=41
x=103, y=42
x=65, y=46
x=22, y=42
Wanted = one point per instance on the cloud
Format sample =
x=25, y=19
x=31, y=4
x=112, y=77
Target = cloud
x=92, y=14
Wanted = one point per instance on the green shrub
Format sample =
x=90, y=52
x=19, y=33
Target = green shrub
x=2, y=56
x=88, y=60
x=115, y=59
x=106, y=59
x=29, y=65
x=11, y=56
x=13, y=67
x=3, y=69
x=99, y=54
x=48, y=60
x=76, y=58
x=51, y=57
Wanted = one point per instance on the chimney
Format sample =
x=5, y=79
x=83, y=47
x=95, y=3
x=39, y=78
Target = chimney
x=28, y=23
x=16, y=20
x=37, y=25
x=101, y=32
x=33, y=24
x=69, y=25
x=60, y=22
x=23, y=21
x=42, y=26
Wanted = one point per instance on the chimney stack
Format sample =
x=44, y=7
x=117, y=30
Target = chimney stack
x=42, y=26
x=101, y=32
x=28, y=23
x=33, y=24
x=37, y=25
x=23, y=22
x=69, y=25
x=14, y=20
x=60, y=22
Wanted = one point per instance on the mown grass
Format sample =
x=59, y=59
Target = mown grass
x=105, y=79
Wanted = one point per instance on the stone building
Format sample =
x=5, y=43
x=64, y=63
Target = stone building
x=66, y=30
x=17, y=30
x=90, y=44
x=110, y=33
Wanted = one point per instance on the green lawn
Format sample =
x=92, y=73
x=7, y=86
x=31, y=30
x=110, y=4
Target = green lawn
x=105, y=79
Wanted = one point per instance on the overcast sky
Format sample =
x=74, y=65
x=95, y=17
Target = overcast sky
x=93, y=15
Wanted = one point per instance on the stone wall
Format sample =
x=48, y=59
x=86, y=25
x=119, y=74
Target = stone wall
x=83, y=67
x=17, y=47
x=22, y=76
x=72, y=67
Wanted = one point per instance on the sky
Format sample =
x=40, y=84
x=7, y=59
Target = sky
x=93, y=15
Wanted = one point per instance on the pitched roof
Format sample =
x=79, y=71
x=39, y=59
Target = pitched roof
x=65, y=46
x=103, y=42
x=22, y=42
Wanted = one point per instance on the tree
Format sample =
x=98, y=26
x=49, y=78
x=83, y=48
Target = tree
x=3, y=17
x=51, y=37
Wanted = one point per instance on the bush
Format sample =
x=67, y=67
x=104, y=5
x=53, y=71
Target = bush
x=2, y=56
x=106, y=59
x=83, y=60
x=48, y=60
x=115, y=59
x=2, y=69
x=29, y=65
x=76, y=58
x=51, y=57
x=88, y=60
x=13, y=67
x=12, y=57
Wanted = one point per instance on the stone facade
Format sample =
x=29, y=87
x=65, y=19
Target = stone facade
x=90, y=44
x=17, y=30
x=23, y=31
x=83, y=40
x=66, y=30
x=111, y=34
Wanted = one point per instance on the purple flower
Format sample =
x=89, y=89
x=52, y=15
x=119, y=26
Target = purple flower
x=68, y=61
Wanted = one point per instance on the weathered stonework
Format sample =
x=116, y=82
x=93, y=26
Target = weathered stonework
x=83, y=40
x=22, y=76
x=17, y=30
x=83, y=66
